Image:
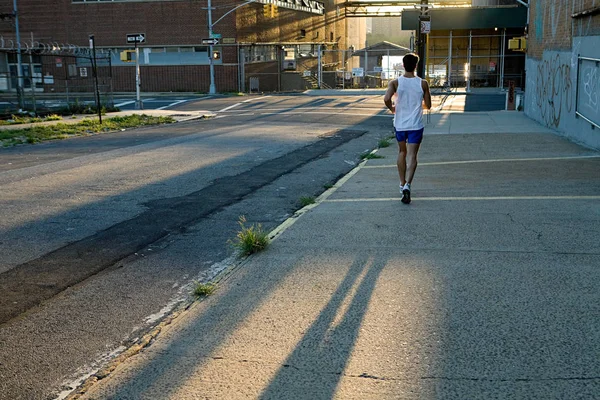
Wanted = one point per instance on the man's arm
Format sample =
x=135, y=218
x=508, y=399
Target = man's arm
x=387, y=99
x=426, y=94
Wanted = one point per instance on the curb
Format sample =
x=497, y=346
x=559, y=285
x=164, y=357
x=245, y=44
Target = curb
x=222, y=276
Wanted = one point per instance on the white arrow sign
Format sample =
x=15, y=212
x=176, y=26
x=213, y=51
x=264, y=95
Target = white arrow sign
x=136, y=38
x=212, y=41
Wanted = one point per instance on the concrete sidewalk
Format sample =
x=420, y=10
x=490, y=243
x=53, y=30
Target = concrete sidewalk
x=486, y=286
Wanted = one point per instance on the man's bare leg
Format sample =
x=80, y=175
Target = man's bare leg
x=411, y=166
x=411, y=161
x=401, y=163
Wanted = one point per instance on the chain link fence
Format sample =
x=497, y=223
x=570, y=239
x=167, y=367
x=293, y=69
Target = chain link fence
x=56, y=82
x=460, y=61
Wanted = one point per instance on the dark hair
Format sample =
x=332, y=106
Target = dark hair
x=410, y=62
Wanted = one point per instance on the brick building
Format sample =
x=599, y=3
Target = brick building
x=563, y=67
x=254, y=40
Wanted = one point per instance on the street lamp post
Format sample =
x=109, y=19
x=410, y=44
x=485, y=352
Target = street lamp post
x=211, y=89
x=19, y=64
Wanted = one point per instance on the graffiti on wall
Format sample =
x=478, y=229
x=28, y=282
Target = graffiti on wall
x=588, y=91
x=554, y=91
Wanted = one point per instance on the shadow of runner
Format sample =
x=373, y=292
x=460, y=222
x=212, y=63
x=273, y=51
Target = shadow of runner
x=316, y=366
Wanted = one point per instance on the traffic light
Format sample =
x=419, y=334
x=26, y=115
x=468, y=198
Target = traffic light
x=128, y=56
x=216, y=55
x=270, y=10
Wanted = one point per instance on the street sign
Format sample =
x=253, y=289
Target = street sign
x=358, y=72
x=212, y=41
x=136, y=38
x=216, y=36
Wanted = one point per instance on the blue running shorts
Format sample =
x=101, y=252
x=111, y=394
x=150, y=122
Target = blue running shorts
x=410, y=136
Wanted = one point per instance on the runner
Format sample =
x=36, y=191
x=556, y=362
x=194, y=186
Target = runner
x=412, y=92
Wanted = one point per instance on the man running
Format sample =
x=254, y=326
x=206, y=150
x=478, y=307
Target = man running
x=408, y=119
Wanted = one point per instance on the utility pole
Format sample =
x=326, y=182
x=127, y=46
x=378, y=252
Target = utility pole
x=138, y=100
x=95, y=72
x=424, y=21
x=19, y=63
x=212, y=89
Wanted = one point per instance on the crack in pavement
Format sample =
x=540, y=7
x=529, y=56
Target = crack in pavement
x=525, y=227
x=366, y=375
x=28, y=284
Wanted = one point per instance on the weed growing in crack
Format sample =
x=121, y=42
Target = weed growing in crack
x=204, y=289
x=383, y=143
x=306, y=200
x=370, y=156
x=250, y=240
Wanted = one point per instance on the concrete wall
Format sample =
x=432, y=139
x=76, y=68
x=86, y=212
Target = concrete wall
x=558, y=84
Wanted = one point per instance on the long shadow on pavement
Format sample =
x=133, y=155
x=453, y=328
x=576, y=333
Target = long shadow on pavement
x=321, y=354
x=324, y=351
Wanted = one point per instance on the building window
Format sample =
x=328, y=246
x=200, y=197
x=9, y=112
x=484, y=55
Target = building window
x=331, y=36
x=188, y=55
x=302, y=32
x=261, y=54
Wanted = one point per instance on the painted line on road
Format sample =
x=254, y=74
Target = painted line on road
x=239, y=104
x=172, y=104
x=345, y=109
x=321, y=113
x=256, y=98
x=125, y=103
x=230, y=107
x=475, y=198
x=491, y=161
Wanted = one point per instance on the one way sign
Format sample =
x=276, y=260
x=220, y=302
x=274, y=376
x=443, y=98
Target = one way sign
x=136, y=38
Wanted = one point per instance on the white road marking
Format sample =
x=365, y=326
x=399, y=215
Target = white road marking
x=422, y=164
x=230, y=107
x=489, y=198
x=172, y=104
x=340, y=109
x=125, y=103
x=256, y=98
x=322, y=113
x=239, y=104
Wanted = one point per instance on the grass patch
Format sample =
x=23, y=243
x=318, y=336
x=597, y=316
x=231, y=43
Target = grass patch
x=204, y=289
x=306, y=200
x=87, y=126
x=370, y=156
x=250, y=240
x=328, y=186
x=383, y=143
x=53, y=117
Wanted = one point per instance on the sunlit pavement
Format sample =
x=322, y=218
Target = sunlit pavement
x=486, y=286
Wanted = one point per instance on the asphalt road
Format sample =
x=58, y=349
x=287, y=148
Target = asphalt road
x=95, y=232
x=486, y=286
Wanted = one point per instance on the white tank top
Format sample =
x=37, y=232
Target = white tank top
x=409, y=104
